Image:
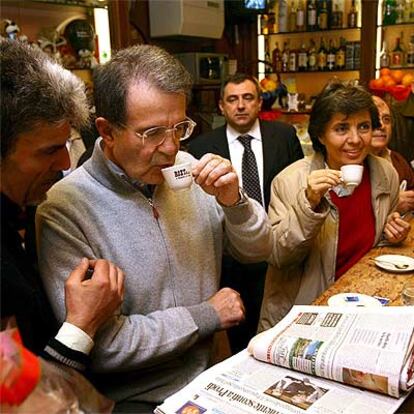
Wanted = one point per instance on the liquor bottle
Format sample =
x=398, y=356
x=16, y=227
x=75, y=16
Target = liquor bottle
x=303, y=58
x=352, y=15
x=340, y=55
x=312, y=20
x=322, y=56
x=292, y=17
x=264, y=28
x=283, y=16
x=390, y=12
x=349, y=55
x=384, y=56
x=277, y=59
x=285, y=57
x=337, y=17
x=293, y=60
x=271, y=23
x=407, y=11
x=330, y=57
x=312, y=57
x=397, y=54
x=323, y=16
x=300, y=16
x=410, y=53
x=357, y=55
x=400, y=12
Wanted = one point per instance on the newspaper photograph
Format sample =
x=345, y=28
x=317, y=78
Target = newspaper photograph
x=363, y=347
x=243, y=385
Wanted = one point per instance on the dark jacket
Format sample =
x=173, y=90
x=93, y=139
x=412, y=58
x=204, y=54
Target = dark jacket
x=281, y=147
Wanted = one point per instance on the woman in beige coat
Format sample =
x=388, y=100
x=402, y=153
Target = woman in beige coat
x=322, y=227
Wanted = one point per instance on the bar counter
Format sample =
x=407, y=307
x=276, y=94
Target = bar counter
x=365, y=277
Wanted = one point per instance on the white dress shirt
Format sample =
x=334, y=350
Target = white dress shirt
x=236, y=150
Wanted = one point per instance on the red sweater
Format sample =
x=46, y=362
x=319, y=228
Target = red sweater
x=356, y=225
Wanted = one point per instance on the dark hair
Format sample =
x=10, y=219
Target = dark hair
x=35, y=89
x=238, y=78
x=148, y=65
x=339, y=97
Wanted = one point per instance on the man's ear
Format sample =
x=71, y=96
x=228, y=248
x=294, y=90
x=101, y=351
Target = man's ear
x=106, y=130
x=221, y=106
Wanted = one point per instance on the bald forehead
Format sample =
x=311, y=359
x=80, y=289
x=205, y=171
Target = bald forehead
x=381, y=105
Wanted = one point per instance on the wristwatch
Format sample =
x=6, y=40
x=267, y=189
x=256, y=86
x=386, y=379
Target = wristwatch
x=243, y=199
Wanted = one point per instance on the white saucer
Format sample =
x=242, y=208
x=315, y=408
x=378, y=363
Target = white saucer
x=396, y=259
x=353, y=299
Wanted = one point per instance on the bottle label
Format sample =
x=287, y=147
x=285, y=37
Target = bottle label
x=300, y=18
x=321, y=60
x=312, y=61
x=340, y=59
x=331, y=61
x=410, y=58
x=312, y=17
x=292, y=62
x=302, y=60
x=323, y=21
x=396, y=59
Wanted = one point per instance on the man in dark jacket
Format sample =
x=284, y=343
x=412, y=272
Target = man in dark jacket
x=271, y=146
x=40, y=103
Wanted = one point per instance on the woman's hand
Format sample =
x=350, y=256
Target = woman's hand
x=396, y=229
x=319, y=182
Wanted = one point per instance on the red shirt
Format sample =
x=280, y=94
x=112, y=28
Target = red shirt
x=356, y=225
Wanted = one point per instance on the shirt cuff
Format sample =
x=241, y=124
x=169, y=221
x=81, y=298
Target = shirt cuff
x=74, y=338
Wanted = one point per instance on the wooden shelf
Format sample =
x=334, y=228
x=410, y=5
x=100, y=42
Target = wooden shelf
x=312, y=32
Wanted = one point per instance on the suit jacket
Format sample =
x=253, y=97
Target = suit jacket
x=281, y=147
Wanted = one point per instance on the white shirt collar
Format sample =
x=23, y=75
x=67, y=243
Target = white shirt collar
x=254, y=132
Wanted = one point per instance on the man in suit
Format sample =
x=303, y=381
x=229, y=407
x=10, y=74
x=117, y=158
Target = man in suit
x=275, y=146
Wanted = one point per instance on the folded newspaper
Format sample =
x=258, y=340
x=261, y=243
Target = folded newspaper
x=327, y=360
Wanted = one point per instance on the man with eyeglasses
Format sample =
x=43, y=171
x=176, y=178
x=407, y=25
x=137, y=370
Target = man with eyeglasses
x=274, y=146
x=379, y=146
x=168, y=243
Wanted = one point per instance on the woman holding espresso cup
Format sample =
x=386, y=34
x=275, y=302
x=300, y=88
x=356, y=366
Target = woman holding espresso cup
x=324, y=219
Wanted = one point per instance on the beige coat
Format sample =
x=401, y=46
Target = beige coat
x=304, y=255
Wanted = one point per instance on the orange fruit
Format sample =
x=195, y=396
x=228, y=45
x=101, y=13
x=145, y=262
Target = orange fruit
x=376, y=83
x=384, y=71
x=408, y=79
x=397, y=75
x=389, y=82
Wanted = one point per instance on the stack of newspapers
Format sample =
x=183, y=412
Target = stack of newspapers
x=318, y=359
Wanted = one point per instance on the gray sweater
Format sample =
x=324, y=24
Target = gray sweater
x=162, y=339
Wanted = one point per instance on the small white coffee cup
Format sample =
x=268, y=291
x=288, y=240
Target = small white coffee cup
x=178, y=177
x=352, y=174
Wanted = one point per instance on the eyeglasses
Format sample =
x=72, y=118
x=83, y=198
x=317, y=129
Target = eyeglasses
x=386, y=119
x=157, y=135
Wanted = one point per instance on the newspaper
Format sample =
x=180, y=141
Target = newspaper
x=243, y=384
x=371, y=348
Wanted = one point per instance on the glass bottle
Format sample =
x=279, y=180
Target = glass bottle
x=397, y=54
x=277, y=59
x=283, y=16
x=330, y=58
x=264, y=28
x=293, y=60
x=400, y=12
x=407, y=11
x=292, y=18
x=285, y=57
x=322, y=56
x=312, y=57
x=352, y=15
x=340, y=54
x=337, y=17
x=323, y=16
x=384, y=56
x=303, y=58
x=311, y=22
x=390, y=12
x=300, y=16
x=410, y=53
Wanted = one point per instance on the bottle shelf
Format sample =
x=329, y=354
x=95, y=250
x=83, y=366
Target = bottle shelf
x=311, y=32
x=387, y=26
x=409, y=68
x=313, y=71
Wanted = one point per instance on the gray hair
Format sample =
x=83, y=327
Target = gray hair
x=35, y=89
x=148, y=65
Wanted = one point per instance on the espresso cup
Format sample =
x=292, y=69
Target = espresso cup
x=352, y=174
x=178, y=177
